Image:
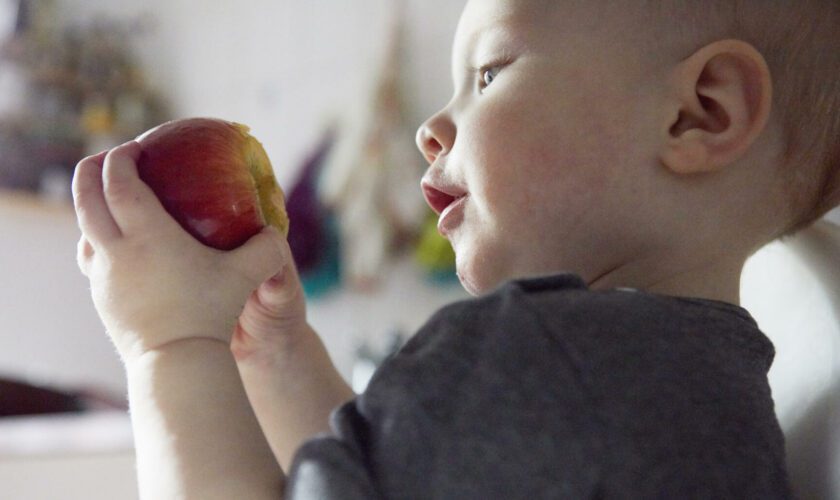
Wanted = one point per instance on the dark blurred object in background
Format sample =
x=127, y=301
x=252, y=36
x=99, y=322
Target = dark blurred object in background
x=19, y=398
x=66, y=92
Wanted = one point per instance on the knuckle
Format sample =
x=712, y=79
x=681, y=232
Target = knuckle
x=83, y=209
x=270, y=305
x=120, y=192
x=82, y=194
x=248, y=277
x=136, y=246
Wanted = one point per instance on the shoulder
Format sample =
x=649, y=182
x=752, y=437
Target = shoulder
x=502, y=325
x=562, y=305
x=507, y=306
x=593, y=338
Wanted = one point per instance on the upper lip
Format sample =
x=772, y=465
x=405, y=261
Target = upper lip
x=440, y=194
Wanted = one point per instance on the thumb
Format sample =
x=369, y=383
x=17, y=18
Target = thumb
x=278, y=304
x=262, y=256
x=283, y=288
x=132, y=203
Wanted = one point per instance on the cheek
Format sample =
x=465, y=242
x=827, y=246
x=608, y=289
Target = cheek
x=539, y=167
x=581, y=144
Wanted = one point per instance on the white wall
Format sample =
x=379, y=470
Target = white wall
x=284, y=67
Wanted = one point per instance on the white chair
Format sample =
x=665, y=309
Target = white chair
x=792, y=288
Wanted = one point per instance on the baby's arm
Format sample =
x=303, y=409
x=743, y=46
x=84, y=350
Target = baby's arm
x=170, y=306
x=194, y=432
x=290, y=380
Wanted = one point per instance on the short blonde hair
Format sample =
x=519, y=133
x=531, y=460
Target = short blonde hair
x=800, y=40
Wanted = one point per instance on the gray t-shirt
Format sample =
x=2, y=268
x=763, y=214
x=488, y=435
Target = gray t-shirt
x=545, y=389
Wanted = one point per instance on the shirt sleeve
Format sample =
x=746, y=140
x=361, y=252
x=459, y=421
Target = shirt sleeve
x=331, y=466
x=325, y=469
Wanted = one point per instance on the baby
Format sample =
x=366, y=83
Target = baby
x=603, y=170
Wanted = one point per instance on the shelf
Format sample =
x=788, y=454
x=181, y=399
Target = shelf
x=23, y=201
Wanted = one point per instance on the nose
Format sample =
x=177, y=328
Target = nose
x=436, y=136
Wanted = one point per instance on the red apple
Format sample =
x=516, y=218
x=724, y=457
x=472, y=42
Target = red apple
x=214, y=178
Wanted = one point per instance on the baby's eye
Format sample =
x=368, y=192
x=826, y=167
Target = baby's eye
x=488, y=75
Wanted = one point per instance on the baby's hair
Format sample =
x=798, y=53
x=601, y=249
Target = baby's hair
x=800, y=40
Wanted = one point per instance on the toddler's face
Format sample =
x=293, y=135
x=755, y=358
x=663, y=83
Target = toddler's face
x=530, y=160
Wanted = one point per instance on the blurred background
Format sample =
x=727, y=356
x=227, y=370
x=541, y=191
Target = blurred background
x=334, y=89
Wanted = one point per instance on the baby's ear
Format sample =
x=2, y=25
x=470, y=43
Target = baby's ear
x=723, y=96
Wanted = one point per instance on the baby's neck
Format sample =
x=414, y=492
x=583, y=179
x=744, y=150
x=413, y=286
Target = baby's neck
x=715, y=279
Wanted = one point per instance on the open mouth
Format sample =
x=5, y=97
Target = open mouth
x=439, y=198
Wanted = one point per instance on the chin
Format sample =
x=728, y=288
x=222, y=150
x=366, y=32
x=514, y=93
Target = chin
x=468, y=285
x=476, y=278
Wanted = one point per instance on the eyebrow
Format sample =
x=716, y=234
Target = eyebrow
x=495, y=27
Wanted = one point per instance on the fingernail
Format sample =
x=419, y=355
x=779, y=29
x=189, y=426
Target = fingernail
x=97, y=158
x=278, y=278
x=130, y=148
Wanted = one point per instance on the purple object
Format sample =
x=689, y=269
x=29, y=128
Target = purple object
x=307, y=215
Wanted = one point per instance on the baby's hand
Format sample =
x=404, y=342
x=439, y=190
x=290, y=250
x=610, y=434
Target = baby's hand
x=152, y=282
x=274, y=317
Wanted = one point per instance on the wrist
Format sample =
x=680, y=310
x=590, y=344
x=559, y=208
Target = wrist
x=187, y=403
x=182, y=350
x=254, y=352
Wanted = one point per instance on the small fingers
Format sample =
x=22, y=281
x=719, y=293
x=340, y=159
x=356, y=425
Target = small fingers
x=134, y=205
x=92, y=211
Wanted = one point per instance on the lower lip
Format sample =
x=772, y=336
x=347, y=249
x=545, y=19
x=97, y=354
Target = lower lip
x=451, y=216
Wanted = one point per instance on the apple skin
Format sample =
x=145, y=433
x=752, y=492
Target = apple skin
x=214, y=178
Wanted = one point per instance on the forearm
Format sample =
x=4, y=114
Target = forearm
x=293, y=393
x=195, y=433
